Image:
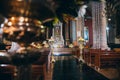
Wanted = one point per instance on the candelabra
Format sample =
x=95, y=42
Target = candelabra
x=81, y=46
x=51, y=43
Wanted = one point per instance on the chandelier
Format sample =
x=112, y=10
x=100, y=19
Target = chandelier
x=22, y=29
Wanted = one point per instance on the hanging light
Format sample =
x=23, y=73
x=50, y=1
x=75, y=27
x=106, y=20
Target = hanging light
x=22, y=29
x=20, y=25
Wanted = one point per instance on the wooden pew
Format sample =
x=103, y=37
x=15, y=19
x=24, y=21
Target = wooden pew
x=7, y=72
x=86, y=55
x=94, y=56
x=39, y=69
x=76, y=52
x=103, y=58
x=107, y=59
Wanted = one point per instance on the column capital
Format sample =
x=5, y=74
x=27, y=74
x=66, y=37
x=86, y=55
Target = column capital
x=102, y=0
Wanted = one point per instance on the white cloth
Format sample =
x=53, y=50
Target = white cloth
x=1, y=30
x=14, y=47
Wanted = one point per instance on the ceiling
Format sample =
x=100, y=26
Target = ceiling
x=113, y=13
x=48, y=9
x=43, y=10
x=113, y=7
x=38, y=9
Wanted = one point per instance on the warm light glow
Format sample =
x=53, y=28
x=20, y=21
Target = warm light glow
x=12, y=18
x=42, y=31
x=27, y=24
x=80, y=39
x=42, y=26
x=20, y=23
x=51, y=39
x=6, y=20
x=21, y=19
x=19, y=0
x=28, y=29
x=9, y=23
x=21, y=28
x=22, y=11
x=109, y=19
x=26, y=19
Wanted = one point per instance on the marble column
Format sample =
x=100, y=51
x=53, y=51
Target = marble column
x=73, y=30
x=99, y=25
x=47, y=33
x=96, y=27
x=67, y=38
x=1, y=36
x=103, y=26
x=80, y=27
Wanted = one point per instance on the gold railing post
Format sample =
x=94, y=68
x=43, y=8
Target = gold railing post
x=81, y=46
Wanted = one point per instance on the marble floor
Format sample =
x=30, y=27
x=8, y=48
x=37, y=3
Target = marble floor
x=73, y=71
x=111, y=73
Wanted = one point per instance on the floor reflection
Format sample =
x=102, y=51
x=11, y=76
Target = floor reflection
x=70, y=69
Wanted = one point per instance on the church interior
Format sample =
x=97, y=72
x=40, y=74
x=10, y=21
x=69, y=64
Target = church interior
x=59, y=40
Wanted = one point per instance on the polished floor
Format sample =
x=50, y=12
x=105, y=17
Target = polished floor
x=89, y=73
x=72, y=70
x=110, y=73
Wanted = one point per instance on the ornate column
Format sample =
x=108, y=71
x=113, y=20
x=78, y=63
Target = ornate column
x=80, y=27
x=47, y=33
x=96, y=27
x=67, y=37
x=99, y=25
x=73, y=31
x=103, y=26
x=1, y=35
